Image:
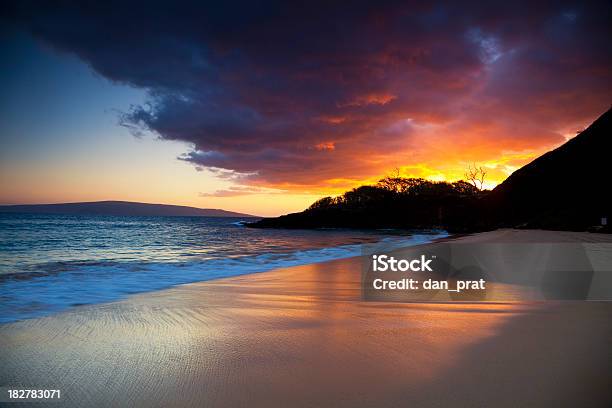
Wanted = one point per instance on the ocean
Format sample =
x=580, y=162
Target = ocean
x=50, y=262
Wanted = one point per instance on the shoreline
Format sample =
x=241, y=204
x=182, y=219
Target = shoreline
x=302, y=336
x=99, y=282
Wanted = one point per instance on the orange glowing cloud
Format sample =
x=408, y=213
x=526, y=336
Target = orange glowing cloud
x=370, y=99
x=325, y=146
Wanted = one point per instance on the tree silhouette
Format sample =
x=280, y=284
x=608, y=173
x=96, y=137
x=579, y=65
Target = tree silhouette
x=475, y=176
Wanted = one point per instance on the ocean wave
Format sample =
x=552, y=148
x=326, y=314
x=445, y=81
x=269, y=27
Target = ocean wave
x=54, y=287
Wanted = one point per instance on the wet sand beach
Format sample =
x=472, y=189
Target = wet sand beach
x=303, y=337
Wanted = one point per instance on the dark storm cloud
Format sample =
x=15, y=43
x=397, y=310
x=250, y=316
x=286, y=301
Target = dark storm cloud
x=297, y=94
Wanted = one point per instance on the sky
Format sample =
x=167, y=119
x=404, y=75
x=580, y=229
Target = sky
x=263, y=107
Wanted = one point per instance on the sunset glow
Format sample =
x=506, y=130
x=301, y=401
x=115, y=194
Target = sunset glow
x=265, y=118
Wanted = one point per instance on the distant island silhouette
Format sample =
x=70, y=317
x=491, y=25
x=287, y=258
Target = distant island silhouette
x=120, y=208
x=567, y=188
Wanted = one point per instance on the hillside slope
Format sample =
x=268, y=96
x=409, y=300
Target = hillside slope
x=566, y=188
